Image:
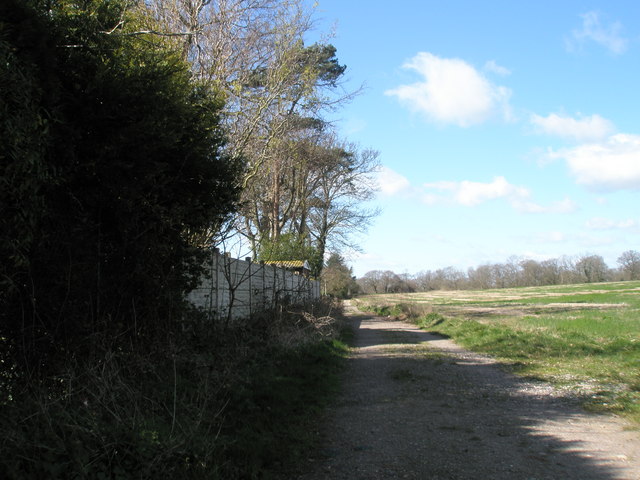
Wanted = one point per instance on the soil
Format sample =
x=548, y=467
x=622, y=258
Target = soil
x=417, y=406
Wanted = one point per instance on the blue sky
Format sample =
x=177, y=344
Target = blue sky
x=504, y=127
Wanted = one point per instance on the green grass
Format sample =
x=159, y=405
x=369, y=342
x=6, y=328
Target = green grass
x=272, y=415
x=585, y=338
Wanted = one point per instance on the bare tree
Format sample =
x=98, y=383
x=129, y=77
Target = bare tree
x=424, y=281
x=550, y=271
x=592, y=268
x=371, y=282
x=629, y=263
x=482, y=277
x=344, y=182
x=568, y=272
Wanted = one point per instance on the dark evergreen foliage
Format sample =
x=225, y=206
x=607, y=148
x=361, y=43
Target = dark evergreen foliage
x=111, y=156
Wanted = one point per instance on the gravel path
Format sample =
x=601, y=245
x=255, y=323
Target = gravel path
x=417, y=406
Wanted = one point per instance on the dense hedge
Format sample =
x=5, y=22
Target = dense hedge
x=111, y=159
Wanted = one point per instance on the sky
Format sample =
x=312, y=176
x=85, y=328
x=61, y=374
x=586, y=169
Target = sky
x=504, y=128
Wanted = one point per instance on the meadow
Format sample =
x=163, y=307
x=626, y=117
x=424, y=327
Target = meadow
x=583, y=338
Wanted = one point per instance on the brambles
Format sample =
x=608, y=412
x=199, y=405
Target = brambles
x=205, y=406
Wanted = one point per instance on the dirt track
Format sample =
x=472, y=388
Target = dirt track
x=417, y=406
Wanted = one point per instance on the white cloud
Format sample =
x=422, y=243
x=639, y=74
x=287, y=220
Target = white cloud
x=609, y=36
x=563, y=206
x=467, y=193
x=589, y=128
x=452, y=92
x=391, y=182
x=600, y=223
x=607, y=166
x=492, y=66
x=471, y=194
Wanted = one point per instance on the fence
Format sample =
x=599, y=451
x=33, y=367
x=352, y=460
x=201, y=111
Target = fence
x=236, y=288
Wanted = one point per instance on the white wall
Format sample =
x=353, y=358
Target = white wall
x=244, y=288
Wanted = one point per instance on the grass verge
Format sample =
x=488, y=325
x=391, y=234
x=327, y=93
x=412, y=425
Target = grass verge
x=585, y=338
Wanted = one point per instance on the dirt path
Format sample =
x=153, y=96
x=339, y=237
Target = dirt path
x=416, y=406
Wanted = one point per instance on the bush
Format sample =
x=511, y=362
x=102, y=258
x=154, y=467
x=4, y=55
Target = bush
x=202, y=406
x=111, y=165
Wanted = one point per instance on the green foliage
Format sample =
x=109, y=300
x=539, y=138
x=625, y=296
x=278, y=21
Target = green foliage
x=337, y=278
x=403, y=310
x=322, y=58
x=288, y=246
x=112, y=156
x=432, y=319
x=27, y=94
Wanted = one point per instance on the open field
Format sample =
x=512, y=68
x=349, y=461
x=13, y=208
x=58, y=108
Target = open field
x=585, y=338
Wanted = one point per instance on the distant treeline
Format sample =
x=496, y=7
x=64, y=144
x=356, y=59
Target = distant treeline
x=515, y=272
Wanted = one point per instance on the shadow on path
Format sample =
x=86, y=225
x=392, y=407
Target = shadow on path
x=417, y=406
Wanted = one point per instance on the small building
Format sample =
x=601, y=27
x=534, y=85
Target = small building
x=301, y=267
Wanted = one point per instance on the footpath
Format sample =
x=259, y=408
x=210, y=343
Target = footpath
x=417, y=406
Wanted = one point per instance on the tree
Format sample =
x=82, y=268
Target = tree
x=449, y=278
x=379, y=281
x=629, y=262
x=531, y=273
x=289, y=246
x=316, y=193
x=568, y=272
x=366, y=283
x=337, y=278
x=551, y=273
x=131, y=164
x=278, y=196
x=277, y=91
x=371, y=282
x=592, y=268
x=344, y=183
x=481, y=277
x=254, y=51
x=424, y=281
